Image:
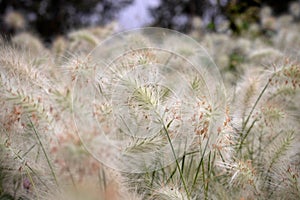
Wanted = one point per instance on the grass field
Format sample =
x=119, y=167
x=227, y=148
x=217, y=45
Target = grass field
x=148, y=123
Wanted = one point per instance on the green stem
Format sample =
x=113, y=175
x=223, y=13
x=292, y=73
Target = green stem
x=247, y=133
x=32, y=182
x=250, y=114
x=44, y=151
x=201, y=163
x=177, y=163
x=254, y=106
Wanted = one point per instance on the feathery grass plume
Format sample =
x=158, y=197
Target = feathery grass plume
x=223, y=27
x=59, y=47
x=265, y=56
x=103, y=32
x=284, y=182
x=29, y=42
x=103, y=183
x=294, y=9
x=243, y=177
x=284, y=21
x=139, y=57
x=136, y=77
x=264, y=139
x=83, y=39
x=78, y=65
x=247, y=91
x=36, y=91
x=286, y=91
x=279, y=148
x=15, y=20
x=254, y=30
x=254, y=153
x=11, y=178
x=160, y=184
x=86, y=39
x=288, y=40
x=232, y=55
x=226, y=141
x=196, y=168
x=169, y=192
x=270, y=94
x=26, y=162
x=267, y=21
x=219, y=47
x=24, y=89
x=197, y=27
x=24, y=82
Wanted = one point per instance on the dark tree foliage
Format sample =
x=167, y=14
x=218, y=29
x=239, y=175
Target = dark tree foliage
x=176, y=14
x=248, y=11
x=168, y=11
x=52, y=17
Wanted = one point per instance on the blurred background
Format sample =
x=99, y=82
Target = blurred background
x=51, y=18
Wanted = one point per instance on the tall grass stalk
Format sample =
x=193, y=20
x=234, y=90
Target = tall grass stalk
x=176, y=159
x=44, y=151
x=33, y=184
x=244, y=136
